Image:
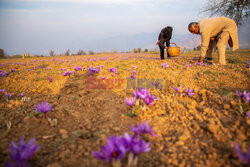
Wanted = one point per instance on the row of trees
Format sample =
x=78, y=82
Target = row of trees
x=68, y=53
x=138, y=50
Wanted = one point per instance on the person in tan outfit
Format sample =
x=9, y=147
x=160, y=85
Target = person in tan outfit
x=215, y=33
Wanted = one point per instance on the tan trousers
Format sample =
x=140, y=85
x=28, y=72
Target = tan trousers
x=220, y=43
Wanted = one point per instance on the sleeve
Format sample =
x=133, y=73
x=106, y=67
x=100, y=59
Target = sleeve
x=205, y=39
x=161, y=44
x=161, y=35
x=161, y=39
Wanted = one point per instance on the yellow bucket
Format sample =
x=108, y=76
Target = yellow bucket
x=173, y=51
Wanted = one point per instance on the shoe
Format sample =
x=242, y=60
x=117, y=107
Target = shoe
x=208, y=60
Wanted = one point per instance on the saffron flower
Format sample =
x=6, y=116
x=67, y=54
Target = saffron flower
x=67, y=73
x=240, y=154
x=8, y=94
x=92, y=70
x=103, y=77
x=134, y=72
x=77, y=68
x=245, y=95
x=189, y=92
x=134, y=145
x=12, y=70
x=143, y=93
x=150, y=100
x=43, y=108
x=164, y=65
x=112, y=69
x=2, y=90
x=22, y=94
x=21, y=153
x=136, y=93
x=130, y=102
x=142, y=128
x=133, y=76
x=134, y=66
x=50, y=79
x=113, y=150
x=177, y=90
x=248, y=114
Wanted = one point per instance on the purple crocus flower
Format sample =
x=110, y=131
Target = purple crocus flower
x=50, y=79
x=248, y=114
x=134, y=66
x=67, y=73
x=142, y=128
x=112, y=69
x=12, y=70
x=44, y=108
x=77, y=68
x=245, y=95
x=4, y=74
x=133, y=76
x=136, y=93
x=22, y=153
x=190, y=92
x=240, y=154
x=103, y=77
x=8, y=94
x=164, y=65
x=92, y=70
x=130, y=102
x=150, y=100
x=134, y=145
x=177, y=90
x=140, y=146
x=113, y=150
x=22, y=94
x=134, y=72
x=143, y=93
x=2, y=90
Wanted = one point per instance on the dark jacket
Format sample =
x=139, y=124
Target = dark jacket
x=165, y=36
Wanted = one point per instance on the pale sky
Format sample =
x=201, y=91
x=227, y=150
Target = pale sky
x=28, y=24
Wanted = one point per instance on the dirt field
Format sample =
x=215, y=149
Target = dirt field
x=86, y=110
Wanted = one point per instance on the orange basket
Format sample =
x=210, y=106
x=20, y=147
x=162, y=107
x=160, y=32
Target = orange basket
x=173, y=51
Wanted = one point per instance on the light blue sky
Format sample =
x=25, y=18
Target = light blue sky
x=28, y=24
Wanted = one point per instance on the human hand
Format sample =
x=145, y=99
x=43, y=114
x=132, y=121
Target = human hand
x=166, y=47
x=157, y=43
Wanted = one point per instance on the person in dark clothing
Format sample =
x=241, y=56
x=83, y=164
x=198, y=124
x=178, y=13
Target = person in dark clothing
x=164, y=37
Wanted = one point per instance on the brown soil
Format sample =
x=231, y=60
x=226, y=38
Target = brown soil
x=197, y=131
